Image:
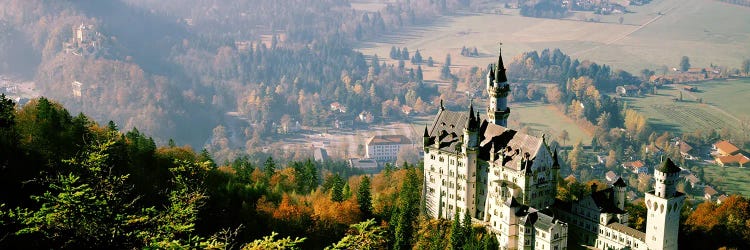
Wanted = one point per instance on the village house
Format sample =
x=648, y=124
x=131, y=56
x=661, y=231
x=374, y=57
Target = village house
x=724, y=148
x=733, y=160
x=385, y=147
x=709, y=193
x=685, y=149
x=366, y=117
x=637, y=167
x=368, y=166
x=721, y=198
x=336, y=106
x=611, y=176
x=693, y=181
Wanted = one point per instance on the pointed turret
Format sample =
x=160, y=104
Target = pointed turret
x=555, y=163
x=619, y=183
x=498, y=90
x=490, y=74
x=425, y=139
x=500, y=68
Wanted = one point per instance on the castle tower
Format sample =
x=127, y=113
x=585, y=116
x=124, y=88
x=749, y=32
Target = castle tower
x=620, y=187
x=470, y=149
x=498, y=89
x=664, y=204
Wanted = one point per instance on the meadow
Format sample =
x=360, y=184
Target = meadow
x=546, y=119
x=653, y=36
x=728, y=180
x=724, y=106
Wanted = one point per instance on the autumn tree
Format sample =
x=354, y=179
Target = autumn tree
x=611, y=160
x=729, y=221
x=576, y=156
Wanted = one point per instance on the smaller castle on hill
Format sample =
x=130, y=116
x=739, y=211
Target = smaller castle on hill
x=86, y=41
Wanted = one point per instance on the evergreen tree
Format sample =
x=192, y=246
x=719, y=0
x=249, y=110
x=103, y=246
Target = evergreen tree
x=417, y=58
x=448, y=60
x=405, y=54
x=347, y=192
x=490, y=242
x=364, y=198
x=407, y=210
x=419, y=75
x=394, y=54
x=269, y=168
x=468, y=233
x=457, y=236
x=337, y=190
x=430, y=62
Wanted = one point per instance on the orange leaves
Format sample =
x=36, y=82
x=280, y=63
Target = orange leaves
x=330, y=212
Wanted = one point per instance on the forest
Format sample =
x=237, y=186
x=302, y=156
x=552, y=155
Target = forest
x=77, y=184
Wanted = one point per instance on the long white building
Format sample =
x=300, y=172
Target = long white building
x=506, y=180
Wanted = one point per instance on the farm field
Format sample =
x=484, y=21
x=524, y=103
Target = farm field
x=723, y=106
x=546, y=119
x=729, y=180
x=655, y=35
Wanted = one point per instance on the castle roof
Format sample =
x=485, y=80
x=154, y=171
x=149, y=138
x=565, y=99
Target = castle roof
x=669, y=167
x=604, y=200
x=619, y=183
x=388, y=140
x=627, y=230
x=447, y=130
x=545, y=221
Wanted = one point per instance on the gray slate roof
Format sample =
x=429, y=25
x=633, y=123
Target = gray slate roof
x=447, y=130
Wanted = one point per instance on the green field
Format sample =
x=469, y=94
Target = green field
x=546, y=119
x=724, y=105
x=655, y=35
x=729, y=180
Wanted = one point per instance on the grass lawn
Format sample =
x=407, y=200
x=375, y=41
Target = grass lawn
x=724, y=105
x=546, y=119
x=729, y=180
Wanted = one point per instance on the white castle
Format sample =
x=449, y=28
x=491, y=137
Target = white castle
x=507, y=181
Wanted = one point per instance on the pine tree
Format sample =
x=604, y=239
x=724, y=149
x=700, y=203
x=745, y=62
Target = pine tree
x=337, y=190
x=457, y=237
x=269, y=168
x=490, y=242
x=347, y=192
x=364, y=198
x=394, y=54
x=468, y=233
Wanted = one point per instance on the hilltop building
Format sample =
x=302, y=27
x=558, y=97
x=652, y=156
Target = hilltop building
x=506, y=181
x=86, y=41
x=385, y=147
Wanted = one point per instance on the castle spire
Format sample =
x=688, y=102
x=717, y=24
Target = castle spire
x=500, y=67
x=555, y=163
x=498, y=90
